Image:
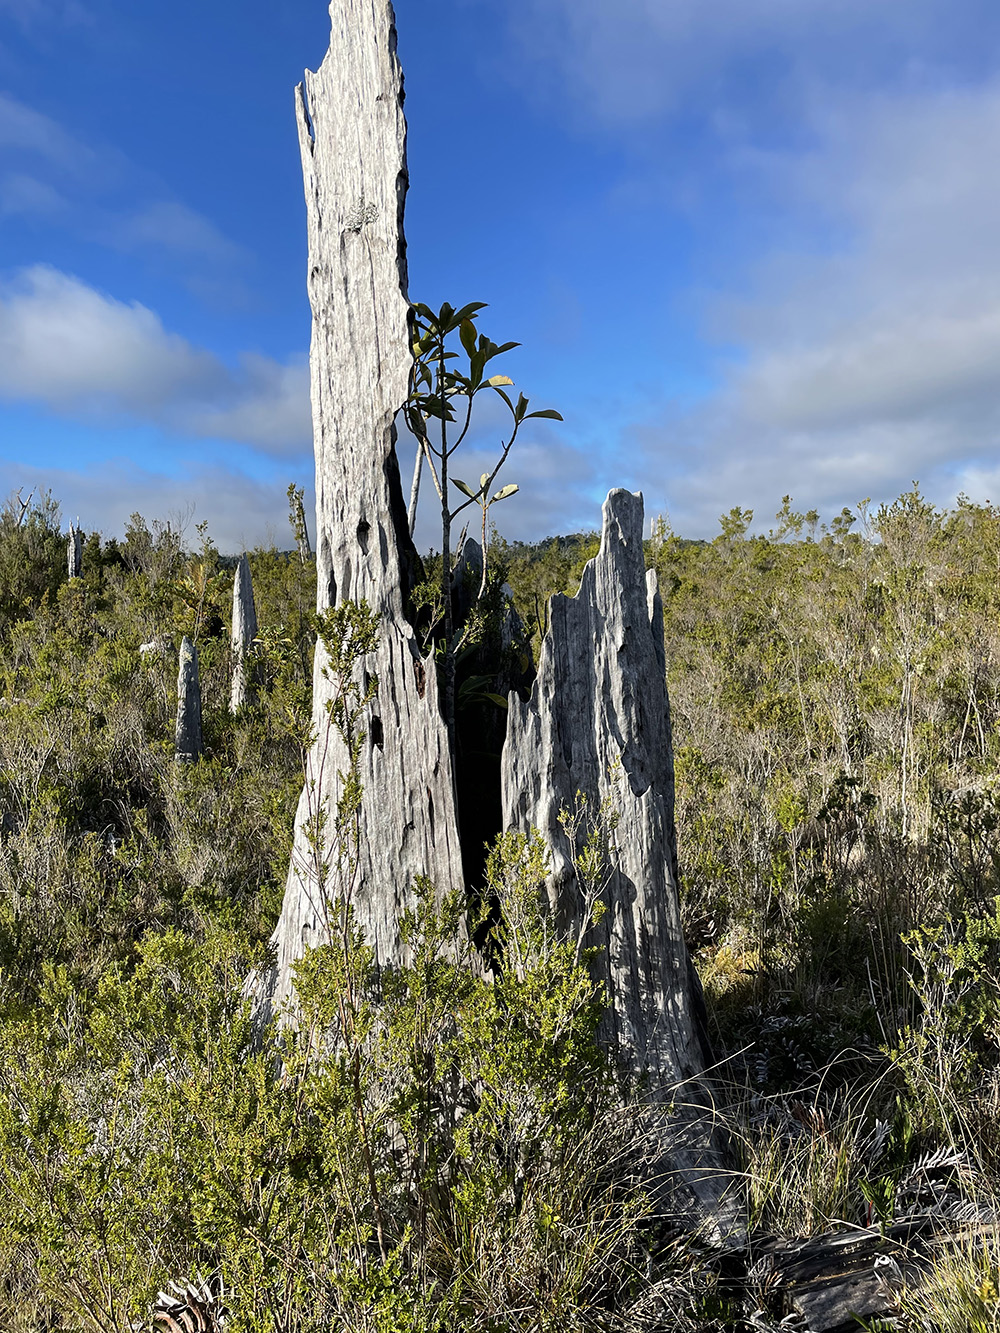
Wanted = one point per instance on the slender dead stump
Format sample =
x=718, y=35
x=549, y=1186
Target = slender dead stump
x=244, y=632
x=74, y=552
x=187, y=736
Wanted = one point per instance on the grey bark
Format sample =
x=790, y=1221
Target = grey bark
x=352, y=136
x=74, y=552
x=465, y=580
x=302, y=531
x=244, y=631
x=187, y=737
x=411, y=511
x=597, y=724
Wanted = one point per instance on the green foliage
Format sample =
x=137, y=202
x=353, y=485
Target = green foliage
x=442, y=393
x=33, y=554
x=949, y=1050
x=424, y=1146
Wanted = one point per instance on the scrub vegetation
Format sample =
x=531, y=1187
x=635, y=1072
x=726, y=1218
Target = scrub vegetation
x=433, y=1148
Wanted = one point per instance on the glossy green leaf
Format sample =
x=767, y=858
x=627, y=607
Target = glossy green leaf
x=469, y=311
x=467, y=333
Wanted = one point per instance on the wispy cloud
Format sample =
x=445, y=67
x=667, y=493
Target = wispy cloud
x=867, y=363
x=173, y=227
x=26, y=196
x=241, y=512
x=80, y=352
x=733, y=60
x=30, y=13
x=25, y=130
x=51, y=174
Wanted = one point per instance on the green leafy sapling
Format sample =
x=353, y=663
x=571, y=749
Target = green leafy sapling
x=441, y=396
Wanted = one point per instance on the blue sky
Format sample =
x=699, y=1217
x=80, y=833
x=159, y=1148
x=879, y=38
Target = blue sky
x=750, y=247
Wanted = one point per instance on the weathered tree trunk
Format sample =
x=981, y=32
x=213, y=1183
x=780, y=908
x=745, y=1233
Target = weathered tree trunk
x=302, y=530
x=244, y=632
x=187, y=737
x=74, y=552
x=353, y=139
x=597, y=726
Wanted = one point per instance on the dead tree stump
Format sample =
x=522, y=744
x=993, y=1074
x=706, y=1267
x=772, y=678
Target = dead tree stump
x=244, y=631
x=187, y=737
x=594, y=739
x=74, y=552
x=352, y=136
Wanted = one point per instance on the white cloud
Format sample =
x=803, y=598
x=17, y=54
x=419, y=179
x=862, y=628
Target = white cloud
x=26, y=196
x=72, y=348
x=868, y=362
x=847, y=148
x=172, y=226
x=80, y=352
x=728, y=59
x=241, y=512
x=23, y=129
x=270, y=408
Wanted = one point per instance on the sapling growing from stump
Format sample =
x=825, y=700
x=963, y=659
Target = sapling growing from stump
x=297, y=518
x=443, y=394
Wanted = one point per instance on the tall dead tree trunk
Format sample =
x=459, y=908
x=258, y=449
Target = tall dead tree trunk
x=244, y=631
x=353, y=141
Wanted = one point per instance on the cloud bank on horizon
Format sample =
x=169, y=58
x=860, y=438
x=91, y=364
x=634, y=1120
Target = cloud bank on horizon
x=825, y=171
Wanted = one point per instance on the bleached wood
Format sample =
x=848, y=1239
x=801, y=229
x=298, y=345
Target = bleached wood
x=352, y=136
x=74, y=552
x=598, y=723
x=187, y=736
x=302, y=530
x=244, y=631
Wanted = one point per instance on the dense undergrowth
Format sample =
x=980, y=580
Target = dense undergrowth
x=456, y=1157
